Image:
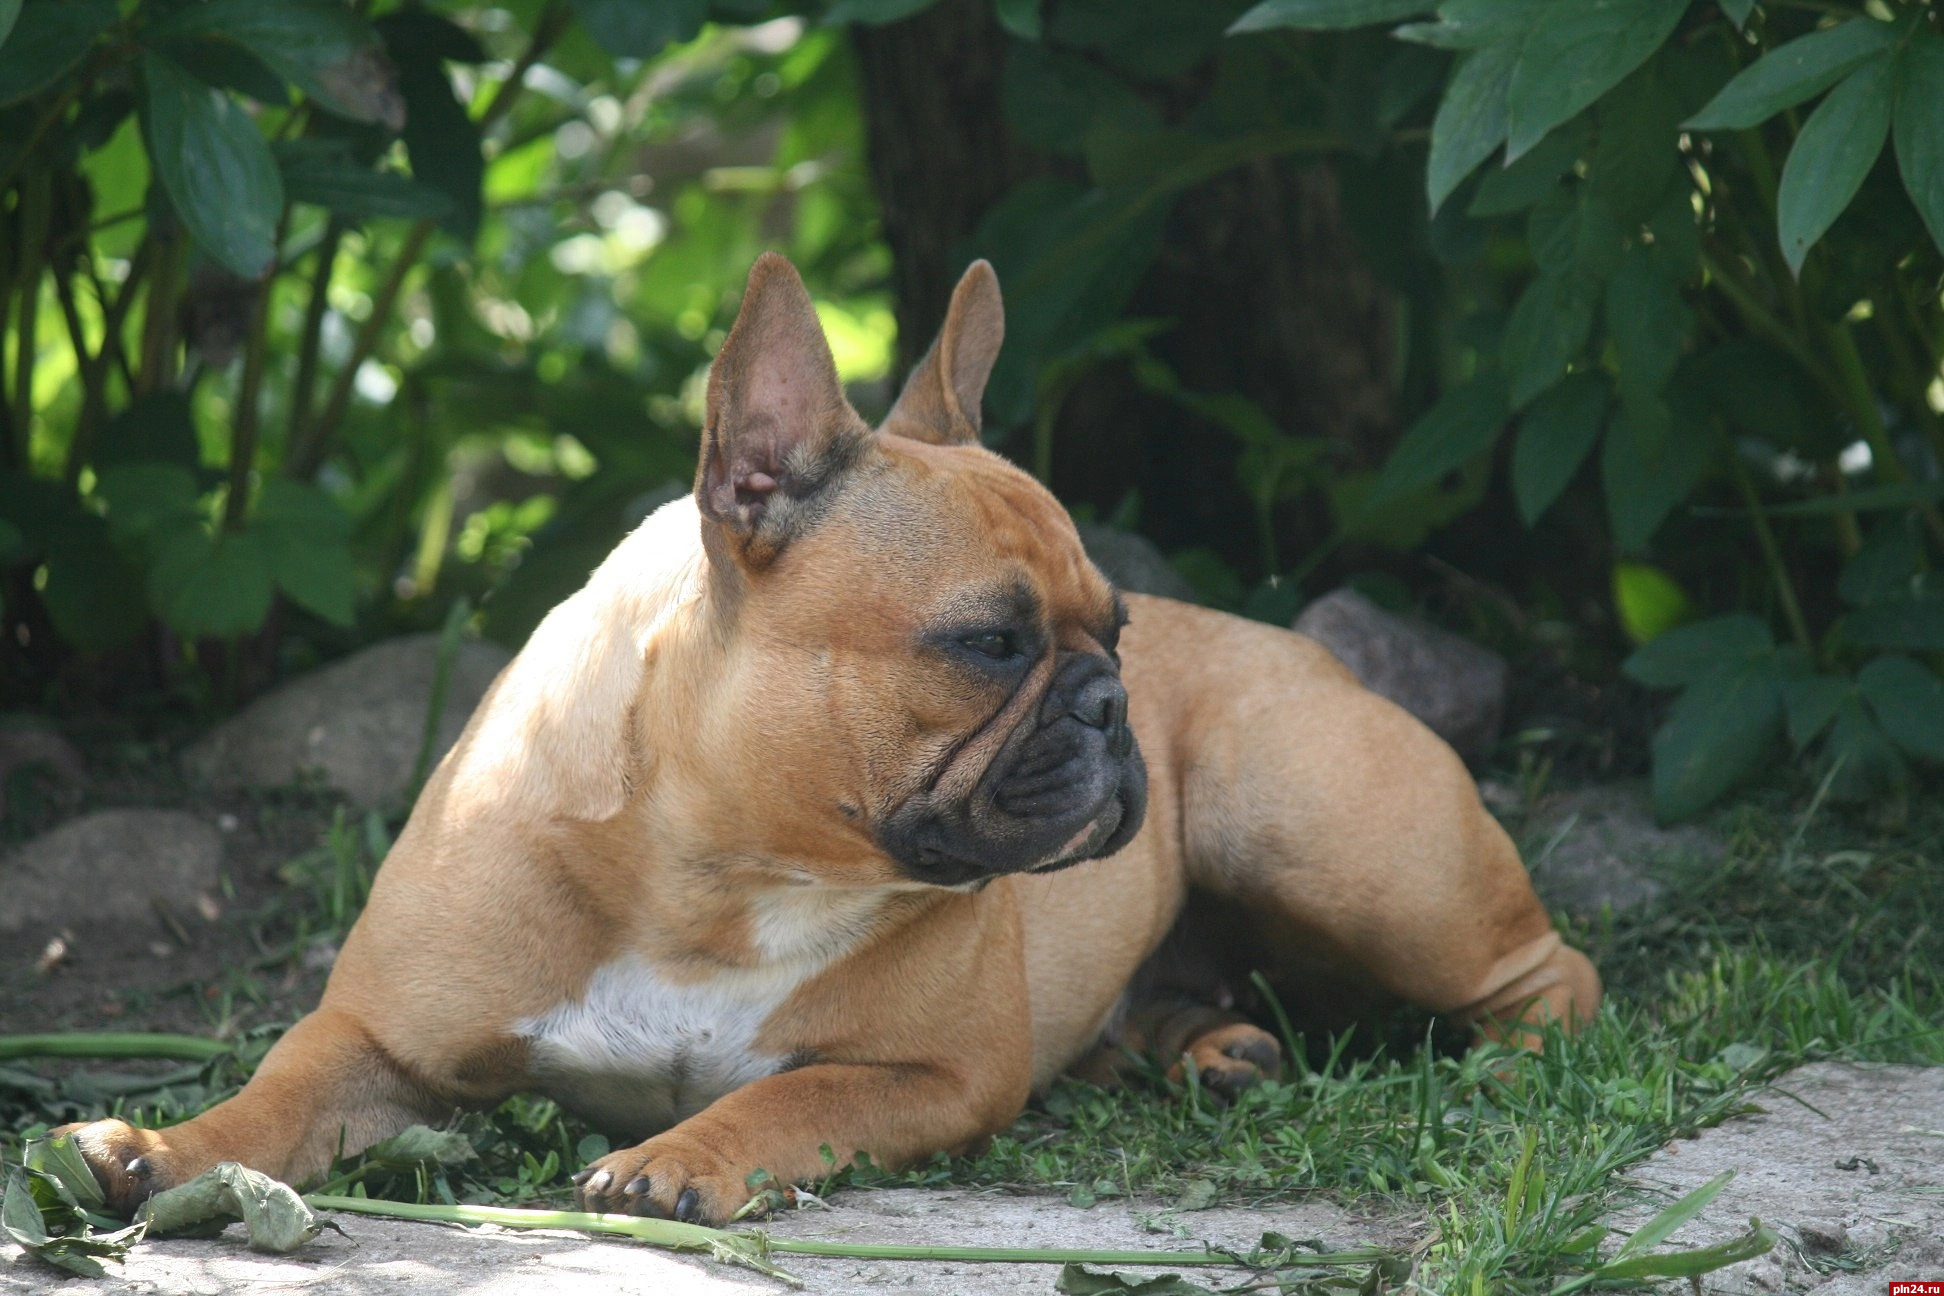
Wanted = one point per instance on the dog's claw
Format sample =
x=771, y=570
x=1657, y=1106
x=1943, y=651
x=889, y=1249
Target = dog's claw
x=637, y=1186
x=138, y=1167
x=688, y=1207
x=580, y=1177
x=599, y=1183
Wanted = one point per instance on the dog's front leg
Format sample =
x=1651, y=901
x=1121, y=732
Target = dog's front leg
x=700, y=1170
x=326, y=1086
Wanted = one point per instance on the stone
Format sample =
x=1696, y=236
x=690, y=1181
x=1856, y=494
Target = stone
x=43, y=755
x=111, y=865
x=1789, y=1163
x=1599, y=846
x=392, y=1256
x=1133, y=563
x=356, y=723
x=1453, y=685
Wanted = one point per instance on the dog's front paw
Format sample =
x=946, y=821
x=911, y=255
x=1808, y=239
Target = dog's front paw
x=1232, y=1058
x=130, y=1164
x=663, y=1180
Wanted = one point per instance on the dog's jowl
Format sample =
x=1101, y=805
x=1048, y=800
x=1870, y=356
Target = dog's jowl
x=841, y=808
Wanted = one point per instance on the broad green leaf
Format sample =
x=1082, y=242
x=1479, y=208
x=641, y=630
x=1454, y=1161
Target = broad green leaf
x=1516, y=187
x=1647, y=321
x=1791, y=73
x=275, y=1217
x=9, y=13
x=1020, y=17
x=640, y=29
x=324, y=49
x=427, y=35
x=327, y=176
x=143, y=497
x=1723, y=729
x=1758, y=1241
x=216, y=168
x=1883, y=568
x=48, y=38
x=1650, y=602
x=1639, y=148
x=155, y=427
x=1737, y=11
x=1835, y=150
x=1471, y=120
x=305, y=536
x=1476, y=24
x=205, y=586
x=1322, y=15
x=1460, y=427
x=1547, y=331
x=1663, y=1225
x=1078, y=1280
x=1555, y=436
x=872, y=13
x=229, y=66
x=441, y=139
x=1810, y=702
x=1908, y=699
x=1863, y=758
x=1571, y=231
x=1920, y=127
x=1913, y=621
x=1763, y=392
x=93, y=595
x=1649, y=463
x=1574, y=54
x=1690, y=653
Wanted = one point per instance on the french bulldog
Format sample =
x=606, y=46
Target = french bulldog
x=840, y=810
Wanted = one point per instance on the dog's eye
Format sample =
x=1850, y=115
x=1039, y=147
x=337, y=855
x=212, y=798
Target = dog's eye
x=996, y=644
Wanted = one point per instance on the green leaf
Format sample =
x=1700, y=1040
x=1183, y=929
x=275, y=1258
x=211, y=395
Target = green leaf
x=9, y=13
x=1883, y=568
x=274, y=1215
x=426, y=35
x=422, y=1146
x=1737, y=11
x=1863, y=758
x=1649, y=464
x=1691, y=653
x=872, y=13
x=1662, y=1226
x=1327, y=15
x=145, y=497
x=1471, y=119
x=1078, y=1280
x=1810, y=702
x=205, y=586
x=1571, y=231
x=1639, y=149
x=155, y=427
x=1897, y=495
x=1647, y=321
x=325, y=175
x=1020, y=17
x=1758, y=1241
x=1554, y=438
x=1516, y=187
x=1908, y=699
x=13, y=545
x=1838, y=145
x=48, y=38
x=93, y=595
x=1914, y=621
x=1722, y=730
x=1920, y=127
x=1548, y=329
x=440, y=136
x=217, y=170
x=1574, y=54
x=1791, y=73
x=640, y=29
x=305, y=537
x=1650, y=602
x=1460, y=427
x=324, y=49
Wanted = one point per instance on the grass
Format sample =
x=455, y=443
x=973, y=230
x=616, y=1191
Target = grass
x=1816, y=937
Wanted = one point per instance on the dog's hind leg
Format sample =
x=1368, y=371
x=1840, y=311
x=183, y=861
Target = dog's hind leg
x=325, y=1088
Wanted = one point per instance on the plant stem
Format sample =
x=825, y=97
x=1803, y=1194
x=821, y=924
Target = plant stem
x=1772, y=553
x=245, y=418
x=94, y=381
x=32, y=218
x=1869, y=420
x=310, y=341
x=692, y=1237
x=110, y=1044
x=306, y=455
x=553, y=20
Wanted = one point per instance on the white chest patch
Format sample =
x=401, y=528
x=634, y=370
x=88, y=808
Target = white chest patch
x=637, y=1052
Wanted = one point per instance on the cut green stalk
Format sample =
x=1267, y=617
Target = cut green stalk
x=112, y=1044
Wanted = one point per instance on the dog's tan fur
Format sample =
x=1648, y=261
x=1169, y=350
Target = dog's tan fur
x=671, y=792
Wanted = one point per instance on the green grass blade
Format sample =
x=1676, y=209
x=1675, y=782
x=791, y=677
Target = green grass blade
x=1662, y=1226
x=109, y=1044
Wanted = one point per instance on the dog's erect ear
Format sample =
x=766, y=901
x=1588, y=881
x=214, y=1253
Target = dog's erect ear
x=778, y=428
x=940, y=401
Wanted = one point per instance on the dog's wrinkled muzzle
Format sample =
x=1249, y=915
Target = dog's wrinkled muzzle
x=1069, y=786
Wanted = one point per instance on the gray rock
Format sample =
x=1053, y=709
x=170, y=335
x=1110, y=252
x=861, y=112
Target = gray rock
x=357, y=723
x=112, y=865
x=1455, y=686
x=1788, y=1161
x=1598, y=846
x=1132, y=562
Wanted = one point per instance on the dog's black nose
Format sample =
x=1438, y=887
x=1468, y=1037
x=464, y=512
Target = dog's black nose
x=1087, y=689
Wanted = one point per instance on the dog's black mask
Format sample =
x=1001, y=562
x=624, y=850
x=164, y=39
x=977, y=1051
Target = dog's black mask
x=1067, y=786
